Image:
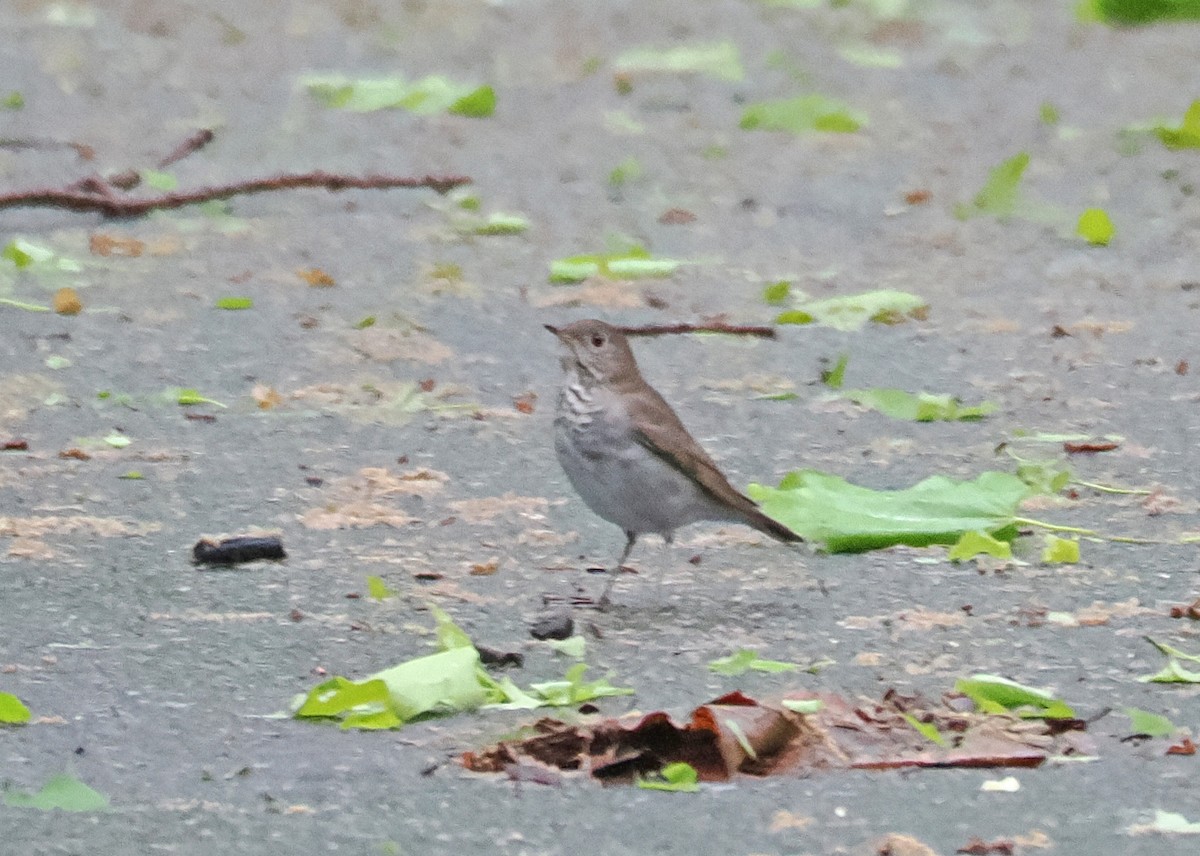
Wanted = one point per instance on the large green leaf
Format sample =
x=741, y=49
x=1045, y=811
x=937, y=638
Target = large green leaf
x=1138, y=12
x=848, y=518
x=918, y=407
x=993, y=694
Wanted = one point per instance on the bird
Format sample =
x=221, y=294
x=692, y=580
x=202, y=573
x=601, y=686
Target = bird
x=627, y=453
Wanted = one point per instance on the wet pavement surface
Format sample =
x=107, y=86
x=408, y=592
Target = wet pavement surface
x=396, y=450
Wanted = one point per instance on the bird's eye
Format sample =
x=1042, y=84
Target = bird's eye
x=597, y=340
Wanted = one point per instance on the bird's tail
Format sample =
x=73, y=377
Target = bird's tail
x=771, y=527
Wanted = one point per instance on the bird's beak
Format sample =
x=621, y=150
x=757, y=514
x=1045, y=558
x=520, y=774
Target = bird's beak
x=552, y=329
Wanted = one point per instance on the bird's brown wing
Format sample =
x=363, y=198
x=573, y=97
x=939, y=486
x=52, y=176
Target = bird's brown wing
x=654, y=421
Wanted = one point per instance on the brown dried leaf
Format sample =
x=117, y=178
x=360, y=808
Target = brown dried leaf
x=101, y=244
x=316, y=278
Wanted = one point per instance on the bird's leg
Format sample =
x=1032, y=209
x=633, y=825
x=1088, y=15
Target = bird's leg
x=630, y=540
x=669, y=539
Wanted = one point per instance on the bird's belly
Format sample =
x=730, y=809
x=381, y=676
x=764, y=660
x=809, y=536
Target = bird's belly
x=626, y=484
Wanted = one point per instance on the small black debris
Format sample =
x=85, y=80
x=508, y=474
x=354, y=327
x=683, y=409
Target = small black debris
x=234, y=551
x=553, y=625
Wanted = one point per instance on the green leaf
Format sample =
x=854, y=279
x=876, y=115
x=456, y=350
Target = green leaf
x=436, y=684
x=624, y=172
x=64, y=792
x=1095, y=227
x=38, y=259
x=1150, y=724
x=377, y=589
x=1187, y=135
x=801, y=114
x=849, y=518
x=430, y=95
x=502, y=224
x=976, y=543
x=836, y=376
x=1138, y=12
x=719, y=61
x=1044, y=477
x=777, y=292
x=632, y=263
x=919, y=407
x=573, y=689
x=13, y=101
x=12, y=710
x=679, y=777
x=1048, y=113
x=1171, y=651
x=573, y=646
x=57, y=362
x=803, y=706
x=746, y=659
x=363, y=324
x=926, y=729
x=1060, y=551
x=853, y=311
x=1172, y=673
x=132, y=475
x=475, y=105
x=234, y=303
x=999, y=195
x=117, y=440
x=993, y=694
x=190, y=397
x=163, y=181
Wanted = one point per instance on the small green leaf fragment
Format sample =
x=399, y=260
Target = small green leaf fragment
x=1149, y=724
x=117, y=441
x=803, y=705
x=794, y=316
x=1187, y=135
x=1095, y=227
x=475, y=105
x=57, y=362
x=745, y=660
x=999, y=195
x=369, y=321
x=976, y=543
x=191, y=397
x=919, y=407
x=926, y=729
x=853, y=311
x=718, y=61
x=678, y=777
x=13, y=101
x=502, y=224
x=631, y=263
x=63, y=792
x=12, y=710
x=836, y=376
x=801, y=114
x=777, y=292
x=377, y=589
x=163, y=181
x=234, y=303
x=132, y=475
x=625, y=172
x=1060, y=551
x=1172, y=673
x=573, y=646
x=1048, y=113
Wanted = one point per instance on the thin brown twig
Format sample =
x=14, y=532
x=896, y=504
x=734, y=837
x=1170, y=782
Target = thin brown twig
x=88, y=197
x=190, y=146
x=757, y=330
